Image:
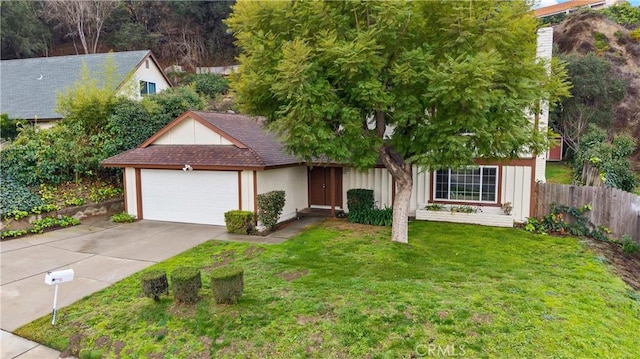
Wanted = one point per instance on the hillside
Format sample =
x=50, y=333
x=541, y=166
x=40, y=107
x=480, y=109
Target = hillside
x=591, y=32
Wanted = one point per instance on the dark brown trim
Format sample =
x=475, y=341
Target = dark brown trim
x=472, y=204
x=499, y=187
x=506, y=162
x=139, y=194
x=124, y=189
x=240, y=190
x=179, y=167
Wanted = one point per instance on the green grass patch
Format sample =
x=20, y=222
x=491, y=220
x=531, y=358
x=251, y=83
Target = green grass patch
x=345, y=290
x=559, y=172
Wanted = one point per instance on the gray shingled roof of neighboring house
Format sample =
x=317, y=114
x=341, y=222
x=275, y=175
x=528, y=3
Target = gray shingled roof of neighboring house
x=28, y=87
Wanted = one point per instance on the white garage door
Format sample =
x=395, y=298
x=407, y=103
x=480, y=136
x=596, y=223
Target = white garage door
x=188, y=196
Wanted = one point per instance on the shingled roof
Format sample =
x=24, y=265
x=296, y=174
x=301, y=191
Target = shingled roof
x=28, y=87
x=253, y=147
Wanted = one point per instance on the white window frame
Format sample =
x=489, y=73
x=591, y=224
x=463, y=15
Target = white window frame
x=448, y=199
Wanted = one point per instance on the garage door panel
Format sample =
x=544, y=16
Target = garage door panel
x=188, y=196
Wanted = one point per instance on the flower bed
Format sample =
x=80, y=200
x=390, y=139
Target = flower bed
x=486, y=216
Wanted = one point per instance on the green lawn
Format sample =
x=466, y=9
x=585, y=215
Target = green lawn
x=342, y=290
x=559, y=172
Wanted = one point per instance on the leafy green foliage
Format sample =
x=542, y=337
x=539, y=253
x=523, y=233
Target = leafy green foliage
x=15, y=197
x=9, y=128
x=629, y=246
x=23, y=33
x=90, y=100
x=240, y=222
x=270, y=206
x=208, y=85
x=227, y=284
x=360, y=199
x=373, y=216
x=62, y=153
x=330, y=78
x=596, y=89
x=435, y=207
x=623, y=14
x=13, y=233
x=40, y=225
x=100, y=194
x=611, y=158
x=566, y=220
x=123, y=217
x=185, y=284
x=464, y=209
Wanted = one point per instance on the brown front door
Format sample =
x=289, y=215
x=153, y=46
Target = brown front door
x=320, y=186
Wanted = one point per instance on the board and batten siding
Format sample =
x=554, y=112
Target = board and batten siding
x=293, y=180
x=191, y=132
x=515, y=186
x=380, y=181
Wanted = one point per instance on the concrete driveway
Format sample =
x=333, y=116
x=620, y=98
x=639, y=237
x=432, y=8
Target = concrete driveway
x=100, y=254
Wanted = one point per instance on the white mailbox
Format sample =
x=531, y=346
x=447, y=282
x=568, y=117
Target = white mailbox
x=57, y=277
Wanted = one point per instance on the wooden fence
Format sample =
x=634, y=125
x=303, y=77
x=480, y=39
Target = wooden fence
x=613, y=208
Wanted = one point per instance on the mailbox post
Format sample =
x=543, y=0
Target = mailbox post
x=56, y=278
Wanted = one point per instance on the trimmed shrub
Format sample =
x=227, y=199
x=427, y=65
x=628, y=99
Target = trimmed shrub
x=14, y=196
x=227, y=284
x=240, y=222
x=270, y=206
x=154, y=284
x=185, y=284
x=376, y=217
x=122, y=217
x=359, y=199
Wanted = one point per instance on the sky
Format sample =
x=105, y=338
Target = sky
x=543, y=3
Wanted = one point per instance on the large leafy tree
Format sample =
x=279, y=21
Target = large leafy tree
x=455, y=80
x=595, y=92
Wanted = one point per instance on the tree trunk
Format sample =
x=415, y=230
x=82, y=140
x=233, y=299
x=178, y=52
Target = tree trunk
x=402, y=175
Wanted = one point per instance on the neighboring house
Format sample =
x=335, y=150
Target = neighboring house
x=29, y=87
x=573, y=5
x=203, y=164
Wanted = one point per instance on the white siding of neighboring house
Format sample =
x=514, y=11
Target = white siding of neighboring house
x=191, y=132
x=293, y=180
x=151, y=74
x=131, y=193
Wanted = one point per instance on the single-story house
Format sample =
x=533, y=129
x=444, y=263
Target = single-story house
x=204, y=164
x=29, y=86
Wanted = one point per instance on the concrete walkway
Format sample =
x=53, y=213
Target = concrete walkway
x=100, y=253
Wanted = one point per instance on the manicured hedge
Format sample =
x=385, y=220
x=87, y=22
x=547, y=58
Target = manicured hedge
x=359, y=199
x=240, y=222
